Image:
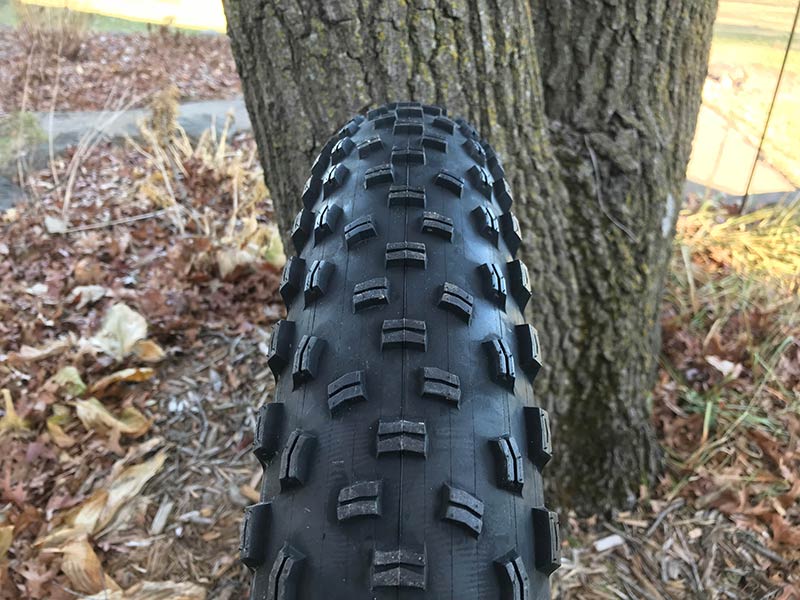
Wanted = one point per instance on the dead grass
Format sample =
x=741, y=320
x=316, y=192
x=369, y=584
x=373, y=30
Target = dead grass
x=725, y=521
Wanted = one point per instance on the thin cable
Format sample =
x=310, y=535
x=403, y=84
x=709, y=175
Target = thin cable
x=771, y=106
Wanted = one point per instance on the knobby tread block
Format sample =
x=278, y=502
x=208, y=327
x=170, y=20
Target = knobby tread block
x=444, y=124
x=434, y=142
x=408, y=156
x=502, y=193
x=480, y=180
x=457, y=301
x=346, y=390
x=281, y=346
x=404, y=465
x=438, y=225
x=378, y=175
x=410, y=112
x=547, y=540
x=475, y=151
x=311, y=191
x=501, y=362
x=407, y=127
x=528, y=351
x=269, y=428
x=450, y=182
x=342, y=150
x=285, y=573
x=441, y=385
x=486, y=223
x=334, y=179
x=399, y=568
x=369, y=146
x=537, y=425
x=327, y=218
x=513, y=576
x=292, y=279
x=404, y=333
x=296, y=458
x=462, y=508
x=253, y=535
x=306, y=359
x=301, y=229
x=373, y=292
x=318, y=280
x=512, y=234
x=403, y=195
x=494, y=284
x=520, y=283
x=402, y=436
x=362, y=499
x=360, y=230
x=510, y=468
x=406, y=254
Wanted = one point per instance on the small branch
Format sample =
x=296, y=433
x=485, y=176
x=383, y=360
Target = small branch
x=120, y=221
x=598, y=186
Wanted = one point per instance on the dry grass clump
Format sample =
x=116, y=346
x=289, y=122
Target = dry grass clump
x=56, y=31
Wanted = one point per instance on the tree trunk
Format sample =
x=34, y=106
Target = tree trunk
x=593, y=114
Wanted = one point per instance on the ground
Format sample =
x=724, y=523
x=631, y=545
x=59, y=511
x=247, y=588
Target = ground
x=137, y=290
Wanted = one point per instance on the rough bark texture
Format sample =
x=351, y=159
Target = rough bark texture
x=592, y=105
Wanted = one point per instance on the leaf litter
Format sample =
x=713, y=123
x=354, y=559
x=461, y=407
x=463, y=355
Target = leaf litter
x=152, y=479
x=131, y=377
x=725, y=520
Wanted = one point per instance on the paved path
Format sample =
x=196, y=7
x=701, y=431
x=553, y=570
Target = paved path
x=719, y=165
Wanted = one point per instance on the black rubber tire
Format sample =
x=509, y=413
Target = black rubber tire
x=403, y=452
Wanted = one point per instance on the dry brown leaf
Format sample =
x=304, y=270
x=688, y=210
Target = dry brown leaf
x=11, y=421
x=122, y=328
x=95, y=513
x=156, y=590
x=127, y=375
x=86, y=294
x=148, y=351
x=59, y=436
x=785, y=533
x=69, y=379
x=83, y=568
x=30, y=354
x=97, y=417
x=6, y=537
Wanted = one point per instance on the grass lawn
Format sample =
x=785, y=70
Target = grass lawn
x=746, y=54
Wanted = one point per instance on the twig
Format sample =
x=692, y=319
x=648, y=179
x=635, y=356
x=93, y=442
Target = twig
x=598, y=186
x=120, y=221
x=662, y=515
x=50, y=148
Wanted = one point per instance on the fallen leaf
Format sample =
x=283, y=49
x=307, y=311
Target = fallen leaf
x=229, y=259
x=95, y=416
x=148, y=351
x=156, y=590
x=57, y=433
x=83, y=568
x=30, y=354
x=726, y=367
x=70, y=380
x=127, y=375
x=96, y=512
x=38, y=289
x=122, y=328
x=86, y=294
x=54, y=225
x=6, y=537
x=11, y=421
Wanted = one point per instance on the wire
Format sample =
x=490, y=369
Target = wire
x=769, y=112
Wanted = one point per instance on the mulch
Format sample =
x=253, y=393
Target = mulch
x=113, y=69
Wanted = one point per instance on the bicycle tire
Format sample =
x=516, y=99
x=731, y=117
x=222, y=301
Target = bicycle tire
x=403, y=453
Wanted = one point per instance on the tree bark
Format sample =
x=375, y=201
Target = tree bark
x=591, y=104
